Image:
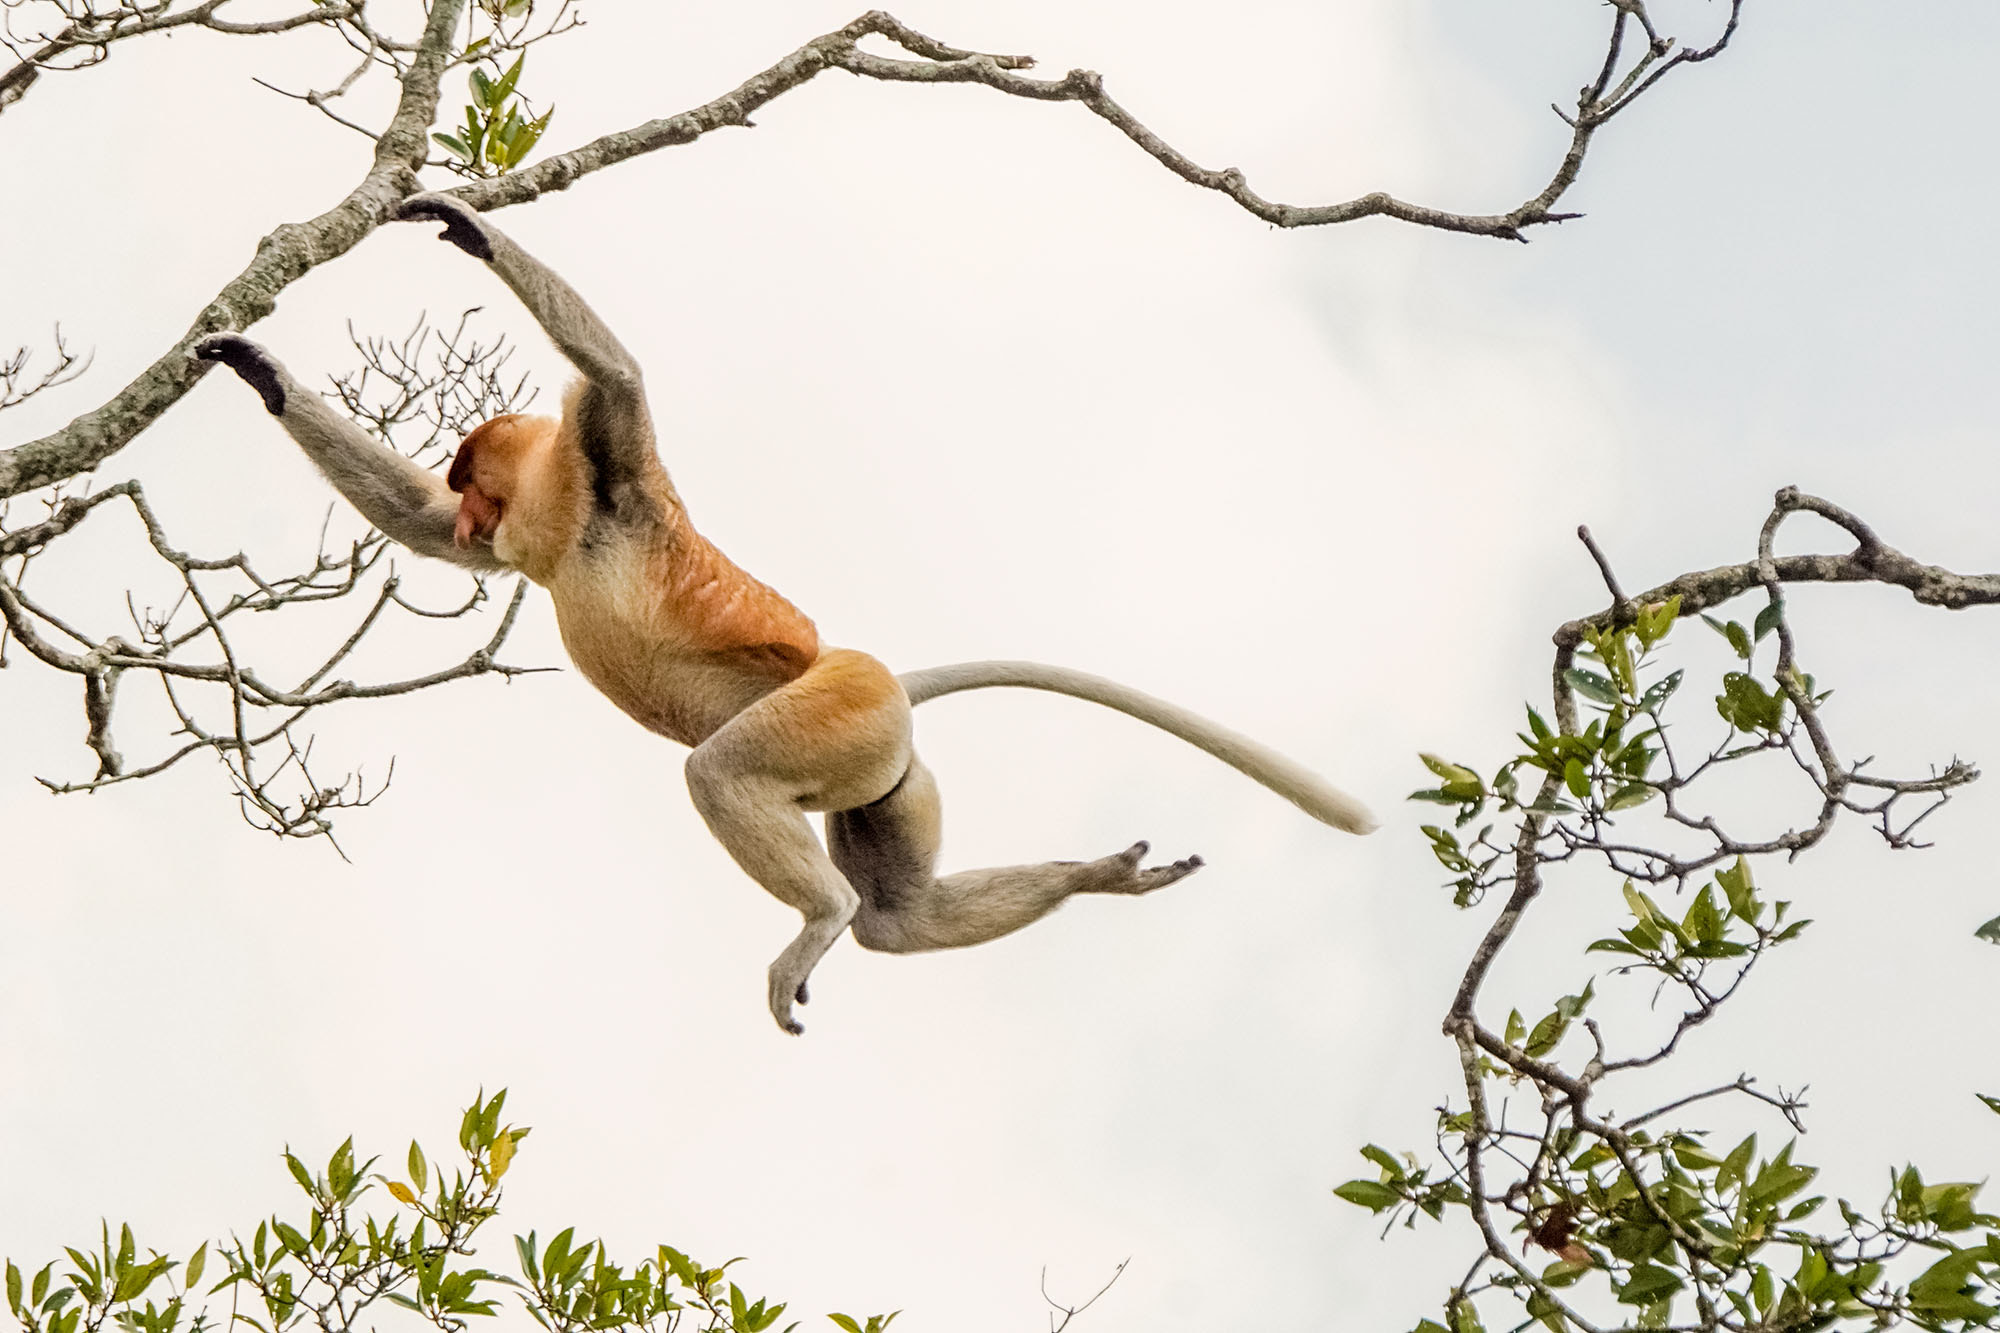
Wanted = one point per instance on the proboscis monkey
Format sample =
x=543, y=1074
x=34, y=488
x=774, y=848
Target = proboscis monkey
x=697, y=650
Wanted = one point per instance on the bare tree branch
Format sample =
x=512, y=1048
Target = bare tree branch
x=164, y=639
x=413, y=392
x=89, y=33
x=17, y=386
x=283, y=257
x=292, y=250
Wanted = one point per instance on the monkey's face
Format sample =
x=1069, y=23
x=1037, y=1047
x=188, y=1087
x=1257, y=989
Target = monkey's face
x=495, y=475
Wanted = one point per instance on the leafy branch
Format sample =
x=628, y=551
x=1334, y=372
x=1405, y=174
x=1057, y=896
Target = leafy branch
x=1649, y=1223
x=344, y=1263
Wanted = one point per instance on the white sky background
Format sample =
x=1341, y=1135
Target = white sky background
x=966, y=376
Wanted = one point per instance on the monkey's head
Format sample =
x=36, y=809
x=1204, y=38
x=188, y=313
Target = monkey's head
x=509, y=495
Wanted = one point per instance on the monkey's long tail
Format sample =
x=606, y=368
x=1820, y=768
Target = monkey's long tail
x=1296, y=783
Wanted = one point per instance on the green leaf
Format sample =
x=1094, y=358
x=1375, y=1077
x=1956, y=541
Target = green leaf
x=1768, y=618
x=1370, y=1194
x=299, y=1172
x=1641, y=906
x=1547, y=1034
x=847, y=1322
x=420, y=1173
x=1630, y=795
x=1647, y=1284
x=1992, y=1103
x=13, y=1287
x=505, y=88
x=1736, y=1166
x=1690, y=1154
x=1938, y=1291
x=340, y=1169
x=197, y=1263
x=1660, y=691
x=1385, y=1159
x=1460, y=783
x=1449, y=771
x=1736, y=886
x=1778, y=1179
x=1576, y=780
x=1703, y=921
x=1990, y=932
x=1591, y=686
x=1654, y=621
x=1745, y=705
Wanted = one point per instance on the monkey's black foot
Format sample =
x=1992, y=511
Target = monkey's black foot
x=462, y=226
x=1121, y=873
x=803, y=997
x=251, y=362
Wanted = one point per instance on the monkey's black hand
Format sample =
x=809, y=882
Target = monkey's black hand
x=461, y=224
x=249, y=361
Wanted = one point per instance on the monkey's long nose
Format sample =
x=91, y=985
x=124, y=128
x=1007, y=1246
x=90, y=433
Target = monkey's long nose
x=477, y=517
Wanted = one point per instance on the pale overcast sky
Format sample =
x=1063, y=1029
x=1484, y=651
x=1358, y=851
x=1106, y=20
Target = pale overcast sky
x=972, y=377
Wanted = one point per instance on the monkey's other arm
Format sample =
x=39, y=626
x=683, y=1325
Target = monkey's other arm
x=409, y=503
x=613, y=425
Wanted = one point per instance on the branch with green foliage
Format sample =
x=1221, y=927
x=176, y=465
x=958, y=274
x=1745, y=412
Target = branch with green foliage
x=1649, y=1223
x=345, y=1261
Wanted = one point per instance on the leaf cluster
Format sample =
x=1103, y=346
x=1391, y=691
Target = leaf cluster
x=1640, y=1224
x=340, y=1266
x=499, y=129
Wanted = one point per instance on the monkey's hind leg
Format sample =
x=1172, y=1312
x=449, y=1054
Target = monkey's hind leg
x=888, y=851
x=837, y=736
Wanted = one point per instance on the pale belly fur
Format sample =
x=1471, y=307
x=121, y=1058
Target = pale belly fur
x=651, y=672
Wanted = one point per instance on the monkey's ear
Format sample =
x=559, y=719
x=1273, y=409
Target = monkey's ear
x=460, y=475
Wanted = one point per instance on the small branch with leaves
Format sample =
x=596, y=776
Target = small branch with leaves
x=1647, y=1224
x=347, y=1262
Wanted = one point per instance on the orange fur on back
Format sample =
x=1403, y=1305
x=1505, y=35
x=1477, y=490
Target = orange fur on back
x=652, y=613
x=725, y=611
x=711, y=639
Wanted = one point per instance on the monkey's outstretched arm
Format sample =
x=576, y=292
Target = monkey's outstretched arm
x=1296, y=783
x=614, y=426
x=409, y=503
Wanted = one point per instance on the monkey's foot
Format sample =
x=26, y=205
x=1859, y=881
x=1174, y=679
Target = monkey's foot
x=1121, y=873
x=462, y=226
x=783, y=992
x=249, y=361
